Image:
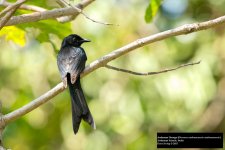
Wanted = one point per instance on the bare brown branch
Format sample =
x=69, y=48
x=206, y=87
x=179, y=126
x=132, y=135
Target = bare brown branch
x=65, y=18
x=50, y=14
x=8, y=12
x=151, y=73
x=25, y=7
x=101, y=62
x=185, y=29
x=34, y=104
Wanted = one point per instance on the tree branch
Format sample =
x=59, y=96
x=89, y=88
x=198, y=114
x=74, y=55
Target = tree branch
x=185, y=29
x=9, y=11
x=62, y=19
x=50, y=14
x=65, y=18
x=33, y=104
x=25, y=7
x=9, y=8
x=151, y=73
x=85, y=15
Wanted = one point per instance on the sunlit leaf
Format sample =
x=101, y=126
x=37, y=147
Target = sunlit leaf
x=152, y=10
x=14, y=34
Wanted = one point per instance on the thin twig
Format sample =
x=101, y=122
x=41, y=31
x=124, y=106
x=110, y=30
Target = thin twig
x=61, y=3
x=8, y=12
x=150, y=73
x=65, y=18
x=101, y=62
x=85, y=15
x=185, y=29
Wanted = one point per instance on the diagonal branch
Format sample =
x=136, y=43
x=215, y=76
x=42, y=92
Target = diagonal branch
x=25, y=7
x=33, y=104
x=67, y=18
x=151, y=73
x=10, y=7
x=185, y=29
x=64, y=18
x=9, y=11
x=50, y=14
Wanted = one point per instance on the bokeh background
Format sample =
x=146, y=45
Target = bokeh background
x=128, y=110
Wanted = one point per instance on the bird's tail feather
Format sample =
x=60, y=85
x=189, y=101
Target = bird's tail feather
x=80, y=108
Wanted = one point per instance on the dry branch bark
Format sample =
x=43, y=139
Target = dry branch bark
x=25, y=7
x=185, y=29
x=9, y=11
x=50, y=14
x=33, y=104
x=151, y=73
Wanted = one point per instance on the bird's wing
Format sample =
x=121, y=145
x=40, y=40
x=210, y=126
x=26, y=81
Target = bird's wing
x=77, y=63
x=71, y=60
x=62, y=67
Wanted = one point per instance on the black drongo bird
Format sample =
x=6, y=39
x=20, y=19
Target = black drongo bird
x=71, y=62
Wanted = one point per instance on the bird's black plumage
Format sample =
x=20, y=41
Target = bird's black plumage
x=71, y=61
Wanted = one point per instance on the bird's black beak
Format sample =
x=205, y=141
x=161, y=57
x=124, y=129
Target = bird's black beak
x=85, y=40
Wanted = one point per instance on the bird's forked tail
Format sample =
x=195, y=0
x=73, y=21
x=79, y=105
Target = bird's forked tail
x=80, y=108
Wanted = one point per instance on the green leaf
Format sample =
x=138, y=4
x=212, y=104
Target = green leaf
x=152, y=9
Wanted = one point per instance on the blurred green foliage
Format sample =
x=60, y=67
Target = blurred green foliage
x=128, y=110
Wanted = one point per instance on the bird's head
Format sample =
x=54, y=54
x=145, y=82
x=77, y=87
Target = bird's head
x=74, y=40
